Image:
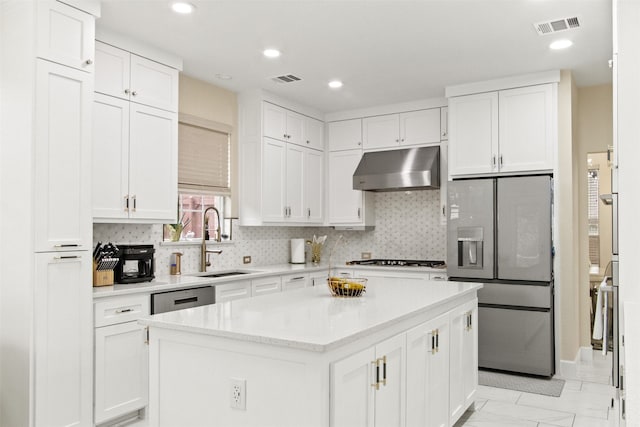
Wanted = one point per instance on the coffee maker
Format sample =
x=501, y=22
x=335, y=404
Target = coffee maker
x=137, y=264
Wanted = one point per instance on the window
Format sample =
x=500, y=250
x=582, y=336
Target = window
x=204, y=171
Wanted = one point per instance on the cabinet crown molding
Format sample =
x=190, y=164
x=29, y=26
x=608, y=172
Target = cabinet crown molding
x=510, y=82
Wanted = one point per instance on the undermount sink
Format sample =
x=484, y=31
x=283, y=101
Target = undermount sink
x=213, y=274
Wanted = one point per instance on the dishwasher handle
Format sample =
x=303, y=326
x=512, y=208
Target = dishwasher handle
x=182, y=298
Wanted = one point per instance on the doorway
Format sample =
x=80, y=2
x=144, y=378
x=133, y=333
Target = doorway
x=599, y=216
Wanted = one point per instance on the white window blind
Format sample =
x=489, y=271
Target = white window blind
x=203, y=159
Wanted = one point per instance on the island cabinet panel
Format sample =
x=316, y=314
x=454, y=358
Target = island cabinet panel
x=352, y=390
x=463, y=372
x=428, y=374
x=368, y=388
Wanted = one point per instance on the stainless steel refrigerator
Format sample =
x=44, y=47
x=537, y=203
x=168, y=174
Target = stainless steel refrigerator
x=499, y=233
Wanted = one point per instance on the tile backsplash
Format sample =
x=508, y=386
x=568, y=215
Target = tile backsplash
x=407, y=226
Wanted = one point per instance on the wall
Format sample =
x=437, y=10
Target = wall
x=204, y=100
x=565, y=227
x=407, y=226
x=594, y=134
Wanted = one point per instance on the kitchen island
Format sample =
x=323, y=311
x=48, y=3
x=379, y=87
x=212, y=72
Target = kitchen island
x=306, y=358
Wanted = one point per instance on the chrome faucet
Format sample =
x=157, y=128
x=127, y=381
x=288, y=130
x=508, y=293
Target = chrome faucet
x=204, y=252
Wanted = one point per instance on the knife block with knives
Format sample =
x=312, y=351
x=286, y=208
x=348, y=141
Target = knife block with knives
x=105, y=259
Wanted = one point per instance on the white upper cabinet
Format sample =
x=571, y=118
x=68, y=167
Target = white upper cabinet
x=507, y=131
x=347, y=206
x=113, y=71
x=128, y=76
x=274, y=180
x=395, y=130
x=444, y=124
x=110, y=166
x=153, y=164
x=282, y=124
x=62, y=158
x=313, y=133
x=473, y=134
x=526, y=127
x=381, y=131
x=65, y=35
x=345, y=135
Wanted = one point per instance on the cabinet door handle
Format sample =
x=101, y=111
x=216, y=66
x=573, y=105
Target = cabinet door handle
x=127, y=91
x=376, y=369
x=308, y=141
x=437, y=340
x=134, y=203
x=88, y=62
x=146, y=335
x=124, y=310
x=493, y=162
x=433, y=342
x=500, y=160
x=358, y=213
x=359, y=142
x=397, y=140
x=134, y=93
x=384, y=370
x=126, y=203
x=401, y=139
x=309, y=213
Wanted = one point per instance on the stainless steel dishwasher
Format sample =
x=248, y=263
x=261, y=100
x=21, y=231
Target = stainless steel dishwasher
x=182, y=298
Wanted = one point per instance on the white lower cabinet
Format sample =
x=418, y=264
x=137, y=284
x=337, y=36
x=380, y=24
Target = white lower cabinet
x=62, y=339
x=121, y=357
x=428, y=379
x=232, y=291
x=122, y=373
x=295, y=281
x=266, y=285
x=463, y=372
x=368, y=388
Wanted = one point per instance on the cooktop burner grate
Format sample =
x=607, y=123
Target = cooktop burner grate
x=399, y=262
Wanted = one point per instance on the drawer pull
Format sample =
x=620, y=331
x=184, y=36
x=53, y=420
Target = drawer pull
x=66, y=257
x=297, y=278
x=67, y=245
x=124, y=310
x=185, y=300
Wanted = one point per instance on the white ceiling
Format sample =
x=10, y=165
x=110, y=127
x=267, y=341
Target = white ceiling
x=385, y=51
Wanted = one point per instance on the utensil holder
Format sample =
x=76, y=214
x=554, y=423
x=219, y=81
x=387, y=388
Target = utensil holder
x=102, y=277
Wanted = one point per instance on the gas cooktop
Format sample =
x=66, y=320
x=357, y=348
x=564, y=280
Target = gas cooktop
x=399, y=263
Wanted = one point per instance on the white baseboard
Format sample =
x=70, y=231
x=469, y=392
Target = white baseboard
x=568, y=368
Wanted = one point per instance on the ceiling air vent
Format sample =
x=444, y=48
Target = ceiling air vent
x=556, y=25
x=287, y=78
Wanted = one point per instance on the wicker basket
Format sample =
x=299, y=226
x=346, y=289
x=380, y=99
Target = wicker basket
x=347, y=286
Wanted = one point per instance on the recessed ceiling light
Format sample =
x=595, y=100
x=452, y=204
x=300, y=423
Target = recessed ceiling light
x=271, y=53
x=335, y=84
x=223, y=76
x=182, y=7
x=560, y=44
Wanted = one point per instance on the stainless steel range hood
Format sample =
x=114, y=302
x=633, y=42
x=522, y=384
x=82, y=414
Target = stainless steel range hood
x=396, y=170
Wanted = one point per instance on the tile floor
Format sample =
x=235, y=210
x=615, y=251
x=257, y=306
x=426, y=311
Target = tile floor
x=585, y=402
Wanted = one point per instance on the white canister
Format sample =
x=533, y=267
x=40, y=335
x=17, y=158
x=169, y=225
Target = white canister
x=297, y=251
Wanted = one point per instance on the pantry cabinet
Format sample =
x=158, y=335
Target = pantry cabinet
x=368, y=388
x=62, y=356
x=121, y=364
x=506, y=131
x=396, y=130
x=62, y=158
x=128, y=76
x=463, y=348
x=428, y=382
x=65, y=35
x=135, y=161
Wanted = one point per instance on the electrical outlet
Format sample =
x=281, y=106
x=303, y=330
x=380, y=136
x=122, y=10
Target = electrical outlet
x=246, y=259
x=365, y=255
x=238, y=393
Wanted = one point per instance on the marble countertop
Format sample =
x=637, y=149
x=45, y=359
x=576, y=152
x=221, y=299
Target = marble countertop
x=185, y=280
x=311, y=319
